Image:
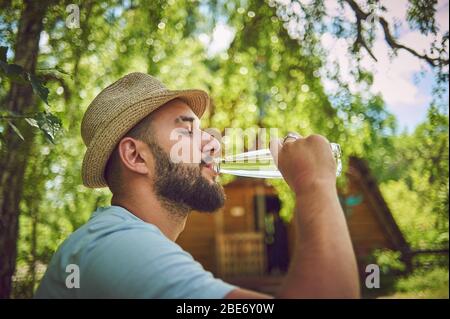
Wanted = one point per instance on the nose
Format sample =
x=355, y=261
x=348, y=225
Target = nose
x=210, y=147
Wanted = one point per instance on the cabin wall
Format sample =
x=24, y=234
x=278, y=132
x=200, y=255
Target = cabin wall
x=366, y=231
x=198, y=238
x=238, y=212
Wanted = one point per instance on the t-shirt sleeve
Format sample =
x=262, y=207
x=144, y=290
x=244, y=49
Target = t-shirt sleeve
x=145, y=264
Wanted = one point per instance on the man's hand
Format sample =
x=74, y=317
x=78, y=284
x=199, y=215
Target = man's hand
x=305, y=163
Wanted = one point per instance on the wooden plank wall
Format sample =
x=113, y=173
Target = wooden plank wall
x=198, y=238
x=366, y=231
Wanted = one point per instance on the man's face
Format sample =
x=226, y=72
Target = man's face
x=181, y=175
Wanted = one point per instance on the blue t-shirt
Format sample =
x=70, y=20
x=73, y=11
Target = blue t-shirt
x=117, y=255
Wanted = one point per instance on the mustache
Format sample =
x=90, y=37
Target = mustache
x=206, y=164
x=207, y=160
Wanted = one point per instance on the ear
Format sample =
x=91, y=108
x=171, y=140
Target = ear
x=134, y=155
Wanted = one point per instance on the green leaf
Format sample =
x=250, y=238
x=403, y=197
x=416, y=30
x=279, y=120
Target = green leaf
x=61, y=70
x=39, y=88
x=3, y=67
x=3, y=52
x=55, y=68
x=14, y=72
x=32, y=122
x=15, y=129
x=49, y=124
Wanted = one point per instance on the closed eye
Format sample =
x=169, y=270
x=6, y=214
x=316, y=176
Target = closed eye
x=187, y=132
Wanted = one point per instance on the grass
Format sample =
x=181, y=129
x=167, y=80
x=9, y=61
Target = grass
x=423, y=284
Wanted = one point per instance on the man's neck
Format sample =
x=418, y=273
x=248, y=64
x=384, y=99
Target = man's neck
x=144, y=204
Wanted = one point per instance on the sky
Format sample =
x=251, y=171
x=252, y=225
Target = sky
x=405, y=82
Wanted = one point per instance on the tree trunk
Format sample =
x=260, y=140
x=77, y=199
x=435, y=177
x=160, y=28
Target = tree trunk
x=34, y=212
x=15, y=152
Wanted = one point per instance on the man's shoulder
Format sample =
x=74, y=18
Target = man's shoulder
x=112, y=226
x=110, y=242
x=128, y=258
x=113, y=232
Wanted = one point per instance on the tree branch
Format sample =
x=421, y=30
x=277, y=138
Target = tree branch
x=13, y=117
x=395, y=45
x=53, y=77
x=390, y=39
x=360, y=39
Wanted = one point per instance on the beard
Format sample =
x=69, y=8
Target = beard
x=183, y=188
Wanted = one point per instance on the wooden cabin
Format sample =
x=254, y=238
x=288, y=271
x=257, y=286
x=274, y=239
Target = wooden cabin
x=248, y=244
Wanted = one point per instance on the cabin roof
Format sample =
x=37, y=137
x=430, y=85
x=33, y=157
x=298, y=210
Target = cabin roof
x=358, y=168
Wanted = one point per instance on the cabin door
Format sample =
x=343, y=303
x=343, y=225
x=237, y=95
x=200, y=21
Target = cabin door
x=275, y=233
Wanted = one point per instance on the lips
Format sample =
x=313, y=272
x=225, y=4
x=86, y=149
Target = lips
x=210, y=167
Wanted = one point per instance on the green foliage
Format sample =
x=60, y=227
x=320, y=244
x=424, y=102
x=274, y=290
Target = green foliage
x=424, y=283
x=389, y=261
x=429, y=278
x=3, y=52
x=16, y=73
x=421, y=15
x=268, y=77
x=418, y=193
x=38, y=87
x=47, y=122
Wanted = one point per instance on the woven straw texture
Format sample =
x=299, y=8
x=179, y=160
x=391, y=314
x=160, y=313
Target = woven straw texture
x=117, y=109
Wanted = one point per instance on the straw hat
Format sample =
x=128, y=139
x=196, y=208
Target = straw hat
x=118, y=108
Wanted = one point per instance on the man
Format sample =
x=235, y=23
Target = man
x=128, y=250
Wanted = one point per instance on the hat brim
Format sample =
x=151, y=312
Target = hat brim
x=104, y=142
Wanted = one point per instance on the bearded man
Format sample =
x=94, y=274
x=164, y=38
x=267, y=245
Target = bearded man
x=128, y=250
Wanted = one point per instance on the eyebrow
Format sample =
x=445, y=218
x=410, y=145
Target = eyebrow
x=184, y=118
